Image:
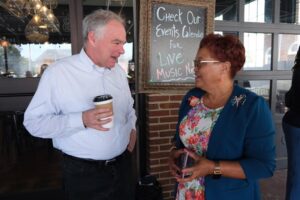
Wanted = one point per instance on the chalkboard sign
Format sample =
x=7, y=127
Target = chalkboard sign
x=169, y=38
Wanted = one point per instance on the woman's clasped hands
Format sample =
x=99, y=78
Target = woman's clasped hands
x=186, y=165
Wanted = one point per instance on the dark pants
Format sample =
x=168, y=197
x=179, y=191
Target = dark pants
x=84, y=180
x=292, y=138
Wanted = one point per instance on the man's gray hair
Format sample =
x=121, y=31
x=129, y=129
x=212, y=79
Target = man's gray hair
x=96, y=21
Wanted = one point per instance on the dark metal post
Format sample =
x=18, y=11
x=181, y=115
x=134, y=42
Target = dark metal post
x=5, y=59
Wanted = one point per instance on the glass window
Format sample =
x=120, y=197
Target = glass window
x=282, y=87
x=258, y=51
x=289, y=11
x=287, y=49
x=36, y=35
x=258, y=11
x=30, y=60
x=226, y=10
x=227, y=33
x=260, y=87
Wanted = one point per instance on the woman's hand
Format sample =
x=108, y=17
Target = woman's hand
x=201, y=168
x=174, y=156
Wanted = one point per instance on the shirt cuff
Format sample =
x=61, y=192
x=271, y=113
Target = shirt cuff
x=133, y=126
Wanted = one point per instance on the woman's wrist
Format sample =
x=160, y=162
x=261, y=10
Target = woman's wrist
x=216, y=170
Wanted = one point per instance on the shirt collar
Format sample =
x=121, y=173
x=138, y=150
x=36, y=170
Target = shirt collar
x=89, y=65
x=87, y=62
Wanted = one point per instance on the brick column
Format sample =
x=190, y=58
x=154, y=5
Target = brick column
x=161, y=120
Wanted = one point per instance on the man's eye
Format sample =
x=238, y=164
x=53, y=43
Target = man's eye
x=117, y=42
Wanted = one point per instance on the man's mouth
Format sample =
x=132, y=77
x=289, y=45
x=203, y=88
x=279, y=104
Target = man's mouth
x=115, y=58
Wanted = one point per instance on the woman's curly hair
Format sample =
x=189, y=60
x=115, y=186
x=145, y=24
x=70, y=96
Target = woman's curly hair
x=225, y=48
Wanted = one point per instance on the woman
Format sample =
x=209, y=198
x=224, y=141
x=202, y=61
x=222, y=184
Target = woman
x=291, y=128
x=226, y=129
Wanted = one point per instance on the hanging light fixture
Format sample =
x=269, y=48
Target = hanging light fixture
x=49, y=19
x=15, y=7
x=43, y=20
x=36, y=30
x=53, y=24
x=32, y=7
x=50, y=3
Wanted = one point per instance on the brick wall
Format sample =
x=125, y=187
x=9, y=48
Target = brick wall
x=161, y=119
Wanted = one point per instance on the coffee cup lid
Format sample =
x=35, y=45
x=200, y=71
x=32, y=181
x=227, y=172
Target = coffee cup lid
x=103, y=97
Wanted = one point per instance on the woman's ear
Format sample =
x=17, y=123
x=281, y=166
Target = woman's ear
x=226, y=67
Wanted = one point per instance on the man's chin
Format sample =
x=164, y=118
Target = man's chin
x=111, y=66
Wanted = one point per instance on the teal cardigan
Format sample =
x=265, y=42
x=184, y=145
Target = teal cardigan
x=244, y=132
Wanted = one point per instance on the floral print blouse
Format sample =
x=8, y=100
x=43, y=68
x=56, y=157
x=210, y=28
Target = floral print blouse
x=194, y=130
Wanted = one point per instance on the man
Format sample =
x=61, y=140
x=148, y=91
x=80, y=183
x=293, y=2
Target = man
x=96, y=160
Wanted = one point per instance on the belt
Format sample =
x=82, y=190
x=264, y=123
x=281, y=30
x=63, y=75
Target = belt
x=108, y=162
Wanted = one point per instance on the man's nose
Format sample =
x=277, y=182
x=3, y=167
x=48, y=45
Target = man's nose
x=122, y=50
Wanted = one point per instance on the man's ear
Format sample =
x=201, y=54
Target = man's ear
x=91, y=38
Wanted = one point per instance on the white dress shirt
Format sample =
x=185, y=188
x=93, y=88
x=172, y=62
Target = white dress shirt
x=66, y=89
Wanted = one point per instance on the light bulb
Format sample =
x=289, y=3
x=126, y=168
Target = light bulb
x=36, y=18
x=44, y=9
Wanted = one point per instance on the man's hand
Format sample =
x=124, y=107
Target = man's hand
x=95, y=118
x=132, y=141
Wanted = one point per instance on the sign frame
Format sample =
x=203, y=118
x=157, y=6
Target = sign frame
x=145, y=41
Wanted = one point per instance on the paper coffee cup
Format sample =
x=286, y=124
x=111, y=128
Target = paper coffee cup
x=105, y=101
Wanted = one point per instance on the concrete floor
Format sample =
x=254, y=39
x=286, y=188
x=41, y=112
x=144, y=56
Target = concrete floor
x=271, y=189
x=274, y=188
